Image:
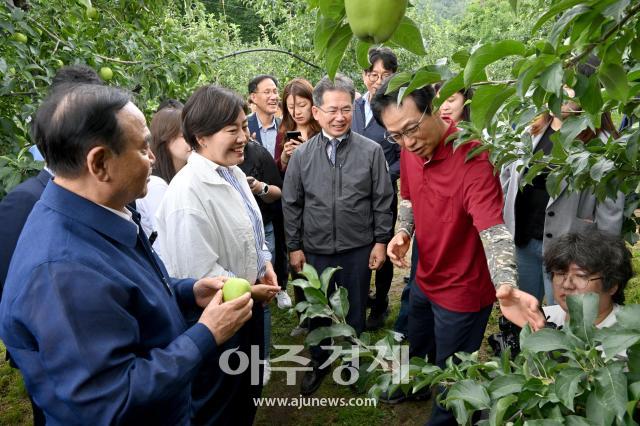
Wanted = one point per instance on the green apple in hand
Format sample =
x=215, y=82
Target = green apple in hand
x=234, y=288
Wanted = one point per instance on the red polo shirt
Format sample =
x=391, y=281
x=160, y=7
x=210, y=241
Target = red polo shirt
x=453, y=200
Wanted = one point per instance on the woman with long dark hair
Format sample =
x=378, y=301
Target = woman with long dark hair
x=296, y=116
x=171, y=152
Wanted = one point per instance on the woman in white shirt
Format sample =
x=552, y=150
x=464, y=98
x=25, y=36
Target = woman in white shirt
x=209, y=224
x=171, y=152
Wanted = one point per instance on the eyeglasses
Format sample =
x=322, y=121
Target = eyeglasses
x=397, y=137
x=374, y=76
x=269, y=92
x=579, y=281
x=334, y=111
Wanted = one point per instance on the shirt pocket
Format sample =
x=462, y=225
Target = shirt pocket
x=441, y=207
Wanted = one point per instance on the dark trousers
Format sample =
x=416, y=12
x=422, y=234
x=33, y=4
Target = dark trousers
x=439, y=333
x=223, y=399
x=384, y=275
x=402, y=322
x=355, y=276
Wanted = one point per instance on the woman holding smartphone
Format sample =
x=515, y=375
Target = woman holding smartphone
x=298, y=124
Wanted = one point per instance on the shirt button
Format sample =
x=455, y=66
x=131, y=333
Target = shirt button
x=551, y=214
x=549, y=235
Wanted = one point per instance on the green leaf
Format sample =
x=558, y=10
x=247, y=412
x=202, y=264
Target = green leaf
x=543, y=422
x=398, y=80
x=470, y=392
x=614, y=80
x=583, y=311
x=449, y=87
x=333, y=9
x=461, y=57
x=313, y=295
x=487, y=54
x=554, y=10
x=530, y=71
x=612, y=387
x=562, y=24
x=632, y=149
x=600, y=168
x=340, y=302
x=545, y=340
x=629, y=316
x=591, y=100
x=421, y=79
x=336, y=48
x=578, y=421
x=571, y=128
x=319, y=334
x=551, y=78
x=325, y=278
x=566, y=385
x=506, y=385
x=325, y=28
x=598, y=411
x=486, y=101
x=616, y=339
x=310, y=273
x=408, y=36
x=315, y=311
x=499, y=409
x=362, y=54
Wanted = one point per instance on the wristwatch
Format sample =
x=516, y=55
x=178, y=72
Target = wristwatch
x=264, y=191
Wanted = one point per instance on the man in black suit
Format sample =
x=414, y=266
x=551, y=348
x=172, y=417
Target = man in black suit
x=384, y=63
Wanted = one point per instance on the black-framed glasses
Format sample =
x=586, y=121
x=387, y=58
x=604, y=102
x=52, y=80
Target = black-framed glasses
x=395, y=137
x=334, y=111
x=579, y=281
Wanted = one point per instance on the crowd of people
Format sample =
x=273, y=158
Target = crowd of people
x=114, y=256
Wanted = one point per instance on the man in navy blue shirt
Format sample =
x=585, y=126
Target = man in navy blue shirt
x=89, y=314
x=384, y=63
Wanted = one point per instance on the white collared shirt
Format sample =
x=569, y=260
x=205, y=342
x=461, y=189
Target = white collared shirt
x=203, y=227
x=368, y=112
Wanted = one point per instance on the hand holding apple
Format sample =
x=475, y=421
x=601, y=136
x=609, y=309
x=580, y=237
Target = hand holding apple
x=225, y=319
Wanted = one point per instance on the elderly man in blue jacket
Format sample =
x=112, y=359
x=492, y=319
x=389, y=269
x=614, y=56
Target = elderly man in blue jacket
x=89, y=314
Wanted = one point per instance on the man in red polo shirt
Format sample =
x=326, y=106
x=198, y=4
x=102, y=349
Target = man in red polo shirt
x=465, y=250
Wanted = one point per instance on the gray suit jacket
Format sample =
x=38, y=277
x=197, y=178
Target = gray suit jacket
x=568, y=212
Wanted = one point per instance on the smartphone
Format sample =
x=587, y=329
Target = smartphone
x=294, y=135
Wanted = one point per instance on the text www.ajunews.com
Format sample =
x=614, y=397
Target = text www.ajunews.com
x=302, y=402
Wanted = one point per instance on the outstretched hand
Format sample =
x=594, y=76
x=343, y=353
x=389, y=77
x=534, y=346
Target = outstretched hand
x=520, y=307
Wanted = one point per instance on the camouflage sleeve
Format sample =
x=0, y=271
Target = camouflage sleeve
x=499, y=250
x=405, y=217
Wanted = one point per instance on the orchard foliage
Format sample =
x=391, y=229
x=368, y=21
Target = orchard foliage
x=563, y=36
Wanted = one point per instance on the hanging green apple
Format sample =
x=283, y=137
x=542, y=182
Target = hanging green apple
x=374, y=21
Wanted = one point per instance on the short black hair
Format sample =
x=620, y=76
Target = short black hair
x=597, y=253
x=170, y=103
x=208, y=111
x=423, y=98
x=389, y=59
x=78, y=74
x=76, y=118
x=253, y=84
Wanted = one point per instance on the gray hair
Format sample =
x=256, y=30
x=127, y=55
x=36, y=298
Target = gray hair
x=340, y=83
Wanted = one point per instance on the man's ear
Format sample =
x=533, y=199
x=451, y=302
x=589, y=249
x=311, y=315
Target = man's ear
x=252, y=96
x=315, y=112
x=613, y=290
x=98, y=159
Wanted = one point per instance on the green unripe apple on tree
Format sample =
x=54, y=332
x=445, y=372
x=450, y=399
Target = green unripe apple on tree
x=374, y=21
x=234, y=288
x=91, y=12
x=19, y=37
x=105, y=73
